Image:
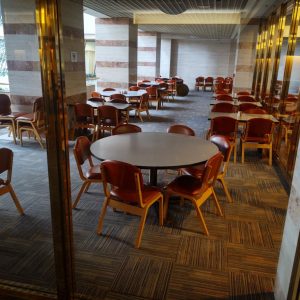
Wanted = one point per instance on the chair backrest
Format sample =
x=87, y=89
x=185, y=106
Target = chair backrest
x=200, y=79
x=143, y=101
x=247, y=106
x=118, y=100
x=163, y=85
x=124, y=177
x=126, y=128
x=259, y=128
x=181, y=129
x=224, y=107
x=38, y=111
x=82, y=153
x=6, y=162
x=211, y=170
x=118, y=96
x=226, y=126
x=5, y=105
x=224, y=146
x=246, y=98
x=224, y=97
x=152, y=91
x=209, y=80
x=134, y=88
x=258, y=111
x=220, y=90
x=84, y=113
x=108, y=115
x=145, y=80
x=95, y=94
x=108, y=89
x=241, y=93
x=96, y=99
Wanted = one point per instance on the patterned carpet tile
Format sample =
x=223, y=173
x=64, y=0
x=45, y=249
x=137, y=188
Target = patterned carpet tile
x=202, y=253
x=275, y=215
x=194, y=283
x=116, y=296
x=252, y=234
x=143, y=276
x=261, y=261
x=246, y=285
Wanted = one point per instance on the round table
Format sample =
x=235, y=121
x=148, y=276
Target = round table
x=154, y=150
x=126, y=93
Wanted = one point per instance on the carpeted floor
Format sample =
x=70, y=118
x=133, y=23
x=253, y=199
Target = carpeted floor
x=237, y=261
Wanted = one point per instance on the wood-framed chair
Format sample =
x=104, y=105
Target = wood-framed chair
x=199, y=83
x=258, y=134
x=226, y=148
x=209, y=83
x=82, y=155
x=6, y=164
x=197, y=190
x=108, y=89
x=224, y=107
x=84, y=118
x=118, y=96
x=224, y=97
x=134, y=88
x=142, y=105
x=225, y=126
x=172, y=88
x=126, y=128
x=124, y=190
x=246, y=106
x=34, y=122
x=7, y=117
x=255, y=111
x=181, y=129
x=242, y=93
x=154, y=97
x=245, y=98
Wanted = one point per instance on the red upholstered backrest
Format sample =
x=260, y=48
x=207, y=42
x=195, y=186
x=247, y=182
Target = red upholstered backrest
x=223, y=107
x=181, y=129
x=5, y=105
x=126, y=128
x=246, y=98
x=259, y=127
x=223, y=145
x=258, y=111
x=247, y=106
x=224, y=97
x=83, y=111
x=118, y=96
x=6, y=157
x=82, y=149
x=223, y=126
x=211, y=170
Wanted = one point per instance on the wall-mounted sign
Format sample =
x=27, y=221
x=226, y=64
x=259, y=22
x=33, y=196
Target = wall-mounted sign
x=74, y=56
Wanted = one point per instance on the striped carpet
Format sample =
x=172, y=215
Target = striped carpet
x=237, y=260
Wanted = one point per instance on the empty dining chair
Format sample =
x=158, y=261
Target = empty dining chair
x=134, y=88
x=256, y=111
x=199, y=83
x=97, y=99
x=208, y=83
x=108, y=89
x=7, y=117
x=142, y=105
x=154, y=97
x=181, y=129
x=33, y=123
x=126, y=128
x=246, y=106
x=118, y=96
x=227, y=127
x=258, y=134
x=197, y=190
x=124, y=190
x=83, y=157
x=240, y=93
x=95, y=94
x=224, y=107
x=225, y=147
x=245, y=98
x=6, y=165
x=224, y=97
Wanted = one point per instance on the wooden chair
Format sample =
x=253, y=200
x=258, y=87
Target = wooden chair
x=124, y=190
x=199, y=83
x=227, y=127
x=34, y=122
x=118, y=96
x=224, y=107
x=242, y=93
x=163, y=90
x=195, y=189
x=108, y=118
x=246, y=106
x=209, y=83
x=181, y=129
x=172, y=88
x=224, y=97
x=84, y=118
x=6, y=164
x=108, y=89
x=95, y=94
x=126, y=128
x=152, y=91
x=258, y=134
x=134, y=88
x=226, y=148
x=7, y=117
x=246, y=98
x=256, y=111
x=142, y=106
x=82, y=155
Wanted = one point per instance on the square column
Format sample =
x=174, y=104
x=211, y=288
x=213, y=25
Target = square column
x=116, y=52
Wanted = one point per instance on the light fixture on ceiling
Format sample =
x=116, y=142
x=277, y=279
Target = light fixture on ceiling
x=172, y=7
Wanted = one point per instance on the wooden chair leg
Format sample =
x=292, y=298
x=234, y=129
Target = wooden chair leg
x=200, y=216
x=102, y=215
x=166, y=205
x=87, y=187
x=217, y=203
x=270, y=155
x=16, y=200
x=234, y=153
x=141, y=228
x=243, y=150
x=224, y=185
x=14, y=132
x=82, y=189
x=161, y=211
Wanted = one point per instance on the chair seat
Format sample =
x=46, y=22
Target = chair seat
x=94, y=172
x=187, y=185
x=148, y=193
x=13, y=115
x=26, y=118
x=196, y=171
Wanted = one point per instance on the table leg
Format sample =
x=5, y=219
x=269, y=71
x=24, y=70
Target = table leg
x=153, y=176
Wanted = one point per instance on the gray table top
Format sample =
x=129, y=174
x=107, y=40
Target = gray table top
x=120, y=106
x=126, y=93
x=157, y=150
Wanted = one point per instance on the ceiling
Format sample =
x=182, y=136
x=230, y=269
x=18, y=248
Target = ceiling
x=205, y=30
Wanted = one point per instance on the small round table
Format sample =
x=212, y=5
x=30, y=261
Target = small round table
x=154, y=150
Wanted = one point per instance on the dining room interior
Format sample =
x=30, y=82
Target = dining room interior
x=194, y=107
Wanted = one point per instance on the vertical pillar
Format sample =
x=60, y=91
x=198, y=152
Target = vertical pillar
x=116, y=52
x=232, y=57
x=246, y=49
x=165, y=57
x=149, y=45
x=21, y=44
